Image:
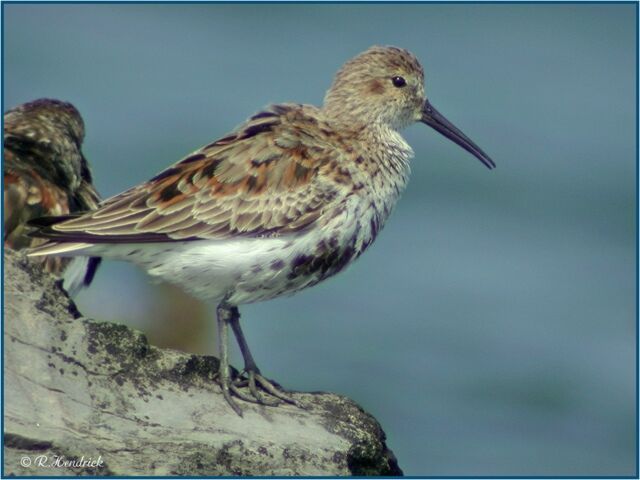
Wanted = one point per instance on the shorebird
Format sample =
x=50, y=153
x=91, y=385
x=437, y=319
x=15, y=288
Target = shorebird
x=288, y=199
x=45, y=173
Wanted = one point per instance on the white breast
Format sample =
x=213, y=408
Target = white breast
x=246, y=269
x=249, y=269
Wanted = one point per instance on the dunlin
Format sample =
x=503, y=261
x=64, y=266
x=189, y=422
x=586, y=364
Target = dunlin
x=45, y=173
x=288, y=199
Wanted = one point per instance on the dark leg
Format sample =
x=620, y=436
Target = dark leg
x=252, y=370
x=224, y=315
x=234, y=321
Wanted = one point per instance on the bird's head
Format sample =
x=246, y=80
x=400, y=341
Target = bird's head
x=51, y=132
x=385, y=86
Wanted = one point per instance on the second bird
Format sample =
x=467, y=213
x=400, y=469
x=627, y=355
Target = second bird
x=45, y=173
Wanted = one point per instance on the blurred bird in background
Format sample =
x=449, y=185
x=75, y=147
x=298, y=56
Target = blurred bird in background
x=46, y=174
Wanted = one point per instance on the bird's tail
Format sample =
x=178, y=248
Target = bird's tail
x=63, y=249
x=79, y=271
x=41, y=228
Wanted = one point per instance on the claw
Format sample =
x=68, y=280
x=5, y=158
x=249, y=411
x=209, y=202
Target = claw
x=227, y=396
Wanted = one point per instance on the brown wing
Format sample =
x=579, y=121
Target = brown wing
x=27, y=196
x=261, y=180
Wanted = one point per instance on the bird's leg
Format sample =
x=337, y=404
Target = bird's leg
x=252, y=370
x=250, y=366
x=224, y=314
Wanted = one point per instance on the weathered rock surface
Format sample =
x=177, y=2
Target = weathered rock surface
x=97, y=394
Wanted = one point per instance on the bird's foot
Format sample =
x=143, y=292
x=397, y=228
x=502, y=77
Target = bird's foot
x=263, y=391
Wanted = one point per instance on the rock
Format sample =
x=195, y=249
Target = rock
x=84, y=397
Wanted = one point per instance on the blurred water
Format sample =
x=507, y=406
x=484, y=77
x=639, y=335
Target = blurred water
x=491, y=328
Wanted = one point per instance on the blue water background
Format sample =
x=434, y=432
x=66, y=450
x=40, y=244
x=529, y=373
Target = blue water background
x=491, y=328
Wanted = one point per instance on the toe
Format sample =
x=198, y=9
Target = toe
x=276, y=392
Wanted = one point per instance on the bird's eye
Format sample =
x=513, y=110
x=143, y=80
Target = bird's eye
x=398, y=82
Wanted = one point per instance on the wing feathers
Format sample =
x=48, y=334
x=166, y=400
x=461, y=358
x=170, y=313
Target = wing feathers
x=262, y=179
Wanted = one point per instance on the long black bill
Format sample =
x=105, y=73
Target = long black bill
x=436, y=120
